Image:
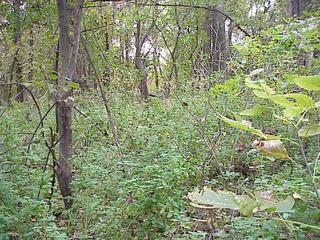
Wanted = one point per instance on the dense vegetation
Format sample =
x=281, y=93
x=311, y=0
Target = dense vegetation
x=190, y=119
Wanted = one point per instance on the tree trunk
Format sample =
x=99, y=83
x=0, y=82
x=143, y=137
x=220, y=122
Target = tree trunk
x=207, y=47
x=127, y=47
x=215, y=47
x=68, y=54
x=17, y=40
x=31, y=46
x=219, y=42
x=295, y=8
x=143, y=85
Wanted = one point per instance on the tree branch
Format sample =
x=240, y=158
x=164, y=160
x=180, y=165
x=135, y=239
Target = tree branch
x=156, y=4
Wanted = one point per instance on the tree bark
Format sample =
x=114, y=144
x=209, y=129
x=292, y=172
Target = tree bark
x=17, y=40
x=68, y=55
x=127, y=47
x=295, y=8
x=143, y=85
x=215, y=47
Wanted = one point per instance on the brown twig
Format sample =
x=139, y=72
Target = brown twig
x=103, y=132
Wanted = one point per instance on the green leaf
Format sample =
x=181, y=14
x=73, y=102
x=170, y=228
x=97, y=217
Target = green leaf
x=251, y=84
x=214, y=199
x=74, y=85
x=247, y=205
x=308, y=82
x=309, y=131
x=260, y=94
x=297, y=100
x=290, y=78
x=278, y=206
x=259, y=85
x=255, y=111
x=294, y=103
x=245, y=127
x=208, y=199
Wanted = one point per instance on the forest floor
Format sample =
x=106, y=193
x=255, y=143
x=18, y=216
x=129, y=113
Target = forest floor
x=140, y=190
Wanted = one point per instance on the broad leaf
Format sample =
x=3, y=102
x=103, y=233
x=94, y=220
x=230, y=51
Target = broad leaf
x=260, y=94
x=292, y=100
x=247, y=205
x=208, y=199
x=290, y=78
x=255, y=111
x=309, y=131
x=294, y=103
x=308, y=82
x=259, y=85
x=214, y=199
x=276, y=205
x=245, y=127
x=272, y=148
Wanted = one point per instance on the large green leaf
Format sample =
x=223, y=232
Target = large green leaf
x=276, y=205
x=247, y=205
x=309, y=131
x=255, y=111
x=259, y=85
x=208, y=199
x=294, y=103
x=214, y=199
x=290, y=78
x=260, y=94
x=244, y=127
x=308, y=82
x=292, y=100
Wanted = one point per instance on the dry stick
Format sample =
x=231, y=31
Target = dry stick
x=35, y=103
x=40, y=124
x=11, y=101
x=51, y=151
x=54, y=160
x=211, y=147
x=104, y=97
x=103, y=132
x=29, y=91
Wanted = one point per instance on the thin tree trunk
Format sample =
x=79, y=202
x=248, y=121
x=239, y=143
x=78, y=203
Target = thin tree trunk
x=31, y=45
x=127, y=47
x=104, y=98
x=155, y=67
x=295, y=8
x=17, y=40
x=68, y=54
x=143, y=85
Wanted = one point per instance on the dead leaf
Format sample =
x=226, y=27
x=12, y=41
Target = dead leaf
x=270, y=131
x=240, y=146
x=272, y=148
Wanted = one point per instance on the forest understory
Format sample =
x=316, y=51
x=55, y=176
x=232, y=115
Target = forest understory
x=159, y=119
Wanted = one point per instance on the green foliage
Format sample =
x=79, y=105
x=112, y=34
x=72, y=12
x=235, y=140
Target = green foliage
x=169, y=144
x=208, y=198
x=246, y=126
